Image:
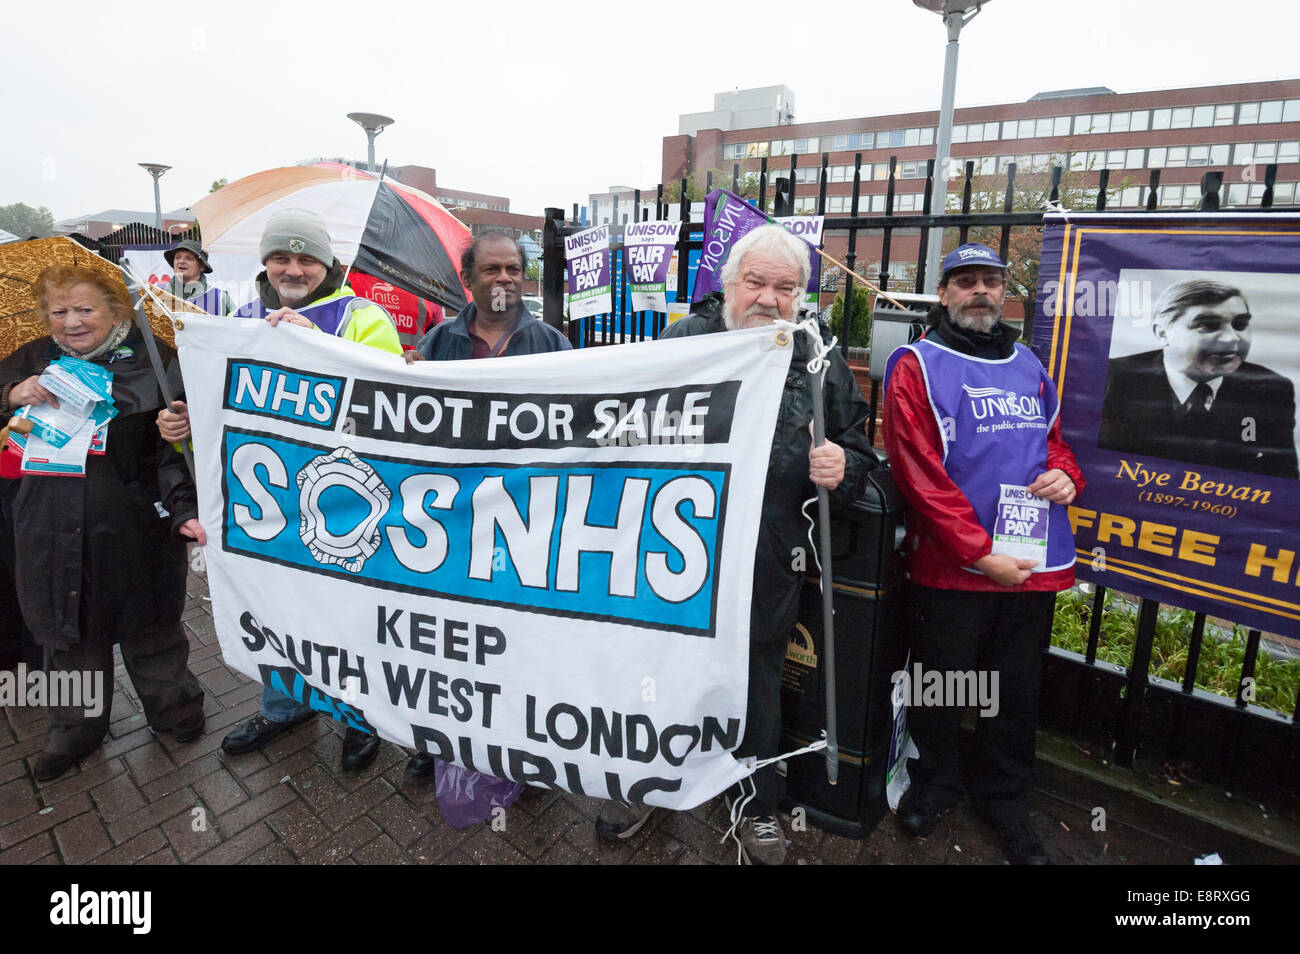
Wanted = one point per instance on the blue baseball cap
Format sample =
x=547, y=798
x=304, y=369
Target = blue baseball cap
x=972, y=253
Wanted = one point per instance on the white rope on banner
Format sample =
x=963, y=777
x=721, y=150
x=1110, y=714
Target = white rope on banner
x=148, y=289
x=753, y=765
x=816, y=365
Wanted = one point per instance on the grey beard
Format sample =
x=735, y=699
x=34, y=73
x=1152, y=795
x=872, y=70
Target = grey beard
x=298, y=295
x=984, y=323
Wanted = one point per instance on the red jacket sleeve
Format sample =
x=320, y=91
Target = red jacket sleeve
x=911, y=436
x=1060, y=456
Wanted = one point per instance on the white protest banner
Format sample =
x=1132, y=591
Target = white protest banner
x=651, y=263
x=539, y=567
x=586, y=255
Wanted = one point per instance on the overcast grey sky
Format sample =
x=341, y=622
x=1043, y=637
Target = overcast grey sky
x=541, y=102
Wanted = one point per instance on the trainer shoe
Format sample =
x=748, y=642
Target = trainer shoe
x=762, y=842
x=619, y=822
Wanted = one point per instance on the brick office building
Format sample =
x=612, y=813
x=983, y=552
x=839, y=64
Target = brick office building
x=1237, y=128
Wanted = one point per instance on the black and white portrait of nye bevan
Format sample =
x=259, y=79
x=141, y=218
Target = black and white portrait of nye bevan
x=1203, y=369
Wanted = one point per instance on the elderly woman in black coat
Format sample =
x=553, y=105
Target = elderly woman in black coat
x=100, y=560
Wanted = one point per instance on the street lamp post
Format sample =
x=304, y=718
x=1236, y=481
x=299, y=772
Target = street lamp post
x=956, y=14
x=155, y=169
x=373, y=124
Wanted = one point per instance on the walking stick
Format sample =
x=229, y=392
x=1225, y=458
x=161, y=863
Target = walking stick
x=134, y=286
x=828, y=612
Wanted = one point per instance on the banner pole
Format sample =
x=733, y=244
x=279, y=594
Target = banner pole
x=135, y=285
x=348, y=271
x=828, y=612
x=848, y=271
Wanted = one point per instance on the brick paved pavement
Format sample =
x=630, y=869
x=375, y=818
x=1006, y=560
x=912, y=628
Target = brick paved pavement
x=137, y=801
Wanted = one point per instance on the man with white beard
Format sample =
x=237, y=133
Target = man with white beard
x=973, y=438
x=764, y=280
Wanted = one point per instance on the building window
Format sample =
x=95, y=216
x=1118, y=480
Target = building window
x=958, y=134
x=1203, y=116
x=1177, y=157
x=1265, y=152
x=1119, y=122
x=1043, y=127
x=1061, y=126
x=1198, y=155
x=1130, y=198
x=1160, y=118
x=1291, y=111
x=1237, y=194
x=1243, y=154
x=1248, y=114
x=927, y=136
x=1133, y=158
x=912, y=137
x=1082, y=125
x=1283, y=193
x=840, y=143
x=1219, y=154
x=1182, y=118
x=1288, y=151
x=1223, y=114
x=1270, y=112
x=1138, y=120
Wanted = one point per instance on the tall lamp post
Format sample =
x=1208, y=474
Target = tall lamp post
x=155, y=169
x=956, y=14
x=373, y=124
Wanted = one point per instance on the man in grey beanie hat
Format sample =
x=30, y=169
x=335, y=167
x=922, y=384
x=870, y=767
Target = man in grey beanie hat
x=302, y=285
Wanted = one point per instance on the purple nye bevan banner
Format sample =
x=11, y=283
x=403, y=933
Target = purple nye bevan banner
x=1174, y=342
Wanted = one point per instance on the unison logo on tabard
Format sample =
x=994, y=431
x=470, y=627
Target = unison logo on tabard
x=77, y=907
x=991, y=402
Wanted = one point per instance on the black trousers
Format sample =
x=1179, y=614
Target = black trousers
x=157, y=660
x=984, y=633
x=774, y=610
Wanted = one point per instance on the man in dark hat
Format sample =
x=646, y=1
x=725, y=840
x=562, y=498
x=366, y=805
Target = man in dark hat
x=190, y=268
x=974, y=440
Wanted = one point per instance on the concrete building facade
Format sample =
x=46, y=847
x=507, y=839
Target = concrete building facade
x=1239, y=128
